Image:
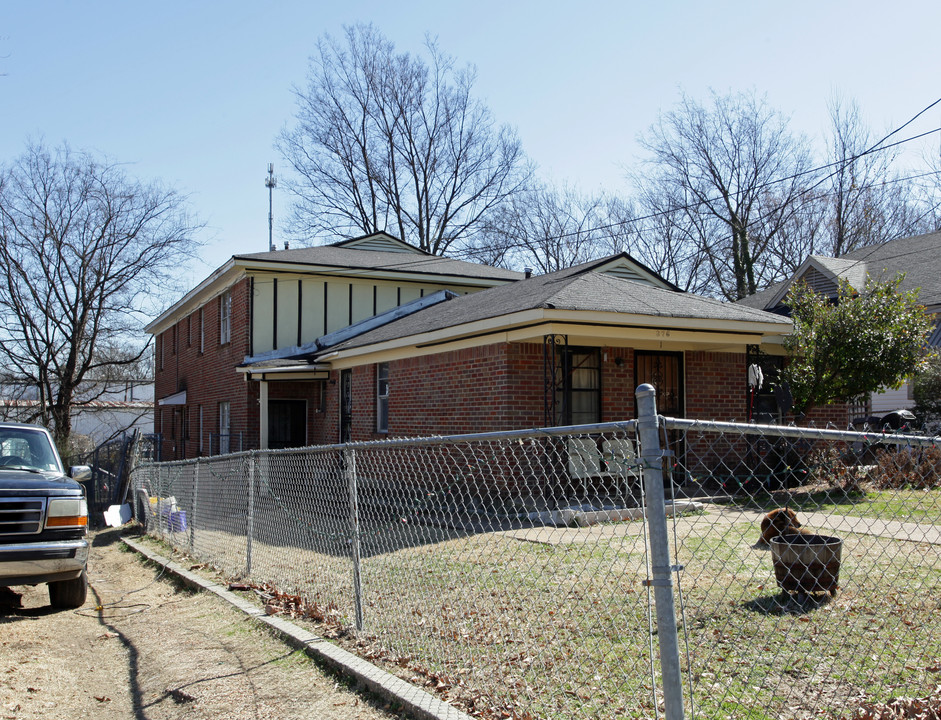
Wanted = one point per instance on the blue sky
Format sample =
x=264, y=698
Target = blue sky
x=194, y=93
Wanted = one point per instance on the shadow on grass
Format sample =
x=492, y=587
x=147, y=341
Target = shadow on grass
x=805, y=499
x=788, y=604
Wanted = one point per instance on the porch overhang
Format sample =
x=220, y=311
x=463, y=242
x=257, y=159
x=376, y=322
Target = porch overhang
x=178, y=398
x=641, y=332
x=285, y=372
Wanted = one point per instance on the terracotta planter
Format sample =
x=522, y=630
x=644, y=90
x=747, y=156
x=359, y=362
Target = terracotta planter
x=807, y=563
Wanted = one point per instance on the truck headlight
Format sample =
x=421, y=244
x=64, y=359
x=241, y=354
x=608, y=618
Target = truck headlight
x=63, y=513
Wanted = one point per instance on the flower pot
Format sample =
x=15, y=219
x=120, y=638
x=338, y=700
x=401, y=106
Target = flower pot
x=807, y=563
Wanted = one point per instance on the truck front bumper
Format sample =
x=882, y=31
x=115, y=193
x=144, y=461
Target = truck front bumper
x=31, y=563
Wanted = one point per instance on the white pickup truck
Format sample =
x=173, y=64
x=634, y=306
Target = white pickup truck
x=43, y=516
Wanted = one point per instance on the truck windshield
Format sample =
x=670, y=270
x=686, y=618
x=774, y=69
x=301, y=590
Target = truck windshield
x=27, y=448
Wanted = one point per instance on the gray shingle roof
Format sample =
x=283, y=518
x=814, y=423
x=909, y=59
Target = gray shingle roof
x=342, y=257
x=577, y=288
x=918, y=257
x=852, y=271
x=760, y=300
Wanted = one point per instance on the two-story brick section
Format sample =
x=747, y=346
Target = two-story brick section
x=263, y=304
x=372, y=338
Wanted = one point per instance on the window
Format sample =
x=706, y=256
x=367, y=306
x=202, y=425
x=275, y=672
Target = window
x=224, y=428
x=578, y=396
x=161, y=341
x=200, y=436
x=382, y=397
x=202, y=332
x=225, y=317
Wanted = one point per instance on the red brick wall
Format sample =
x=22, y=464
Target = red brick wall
x=502, y=387
x=494, y=387
x=617, y=384
x=208, y=377
x=716, y=386
x=490, y=388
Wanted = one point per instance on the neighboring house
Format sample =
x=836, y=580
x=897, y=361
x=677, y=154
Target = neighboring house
x=347, y=342
x=118, y=410
x=919, y=258
x=103, y=411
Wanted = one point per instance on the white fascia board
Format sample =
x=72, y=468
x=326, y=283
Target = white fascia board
x=217, y=283
x=320, y=371
x=614, y=319
x=530, y=325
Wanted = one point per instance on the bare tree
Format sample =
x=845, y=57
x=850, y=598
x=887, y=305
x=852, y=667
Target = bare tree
x=390, y=141
x=85, y=253
x=668, y=238
x=929, y=192
x=869, y=203
x=546, y=228
x=740, y=172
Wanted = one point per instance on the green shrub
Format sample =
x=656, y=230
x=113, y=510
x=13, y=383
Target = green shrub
x=926, y=391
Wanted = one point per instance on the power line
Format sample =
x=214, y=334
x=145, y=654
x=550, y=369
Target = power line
x=877, y=147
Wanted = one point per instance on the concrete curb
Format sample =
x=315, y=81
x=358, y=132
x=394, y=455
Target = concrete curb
x=415, y=701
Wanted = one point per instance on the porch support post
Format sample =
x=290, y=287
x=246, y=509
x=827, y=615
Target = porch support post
x=263, y=414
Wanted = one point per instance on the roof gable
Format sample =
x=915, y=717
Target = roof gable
x=627, y=268
x=917, y=258
x=822, y=275
x=380, y=242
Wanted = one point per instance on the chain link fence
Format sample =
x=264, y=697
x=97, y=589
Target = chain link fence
x=514, y=574
x=110, y=464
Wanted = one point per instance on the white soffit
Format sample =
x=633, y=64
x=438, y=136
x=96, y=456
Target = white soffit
x=174, y=399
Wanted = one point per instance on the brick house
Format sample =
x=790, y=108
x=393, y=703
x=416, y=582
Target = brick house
x=427, y=345
x=272, y=302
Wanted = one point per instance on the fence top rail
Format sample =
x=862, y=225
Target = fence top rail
x=590, y=429
x=794, y=431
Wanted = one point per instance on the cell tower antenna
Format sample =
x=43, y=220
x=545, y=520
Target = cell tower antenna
x=271, y=184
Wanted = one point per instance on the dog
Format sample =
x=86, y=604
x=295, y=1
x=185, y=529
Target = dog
x=782, y=521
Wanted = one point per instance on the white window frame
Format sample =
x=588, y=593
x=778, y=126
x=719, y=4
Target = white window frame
x=225, y=427
x=382, y=397
x=225, y=317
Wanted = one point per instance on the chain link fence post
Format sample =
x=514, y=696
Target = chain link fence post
x=192, y=517
x=250, y=519
x=661, y=570
x=349, y=456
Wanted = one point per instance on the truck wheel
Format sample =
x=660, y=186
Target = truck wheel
x=69, y=593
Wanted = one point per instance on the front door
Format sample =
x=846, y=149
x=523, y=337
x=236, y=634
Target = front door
x=287, y=423
x=346, y=406
x=663, y=370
